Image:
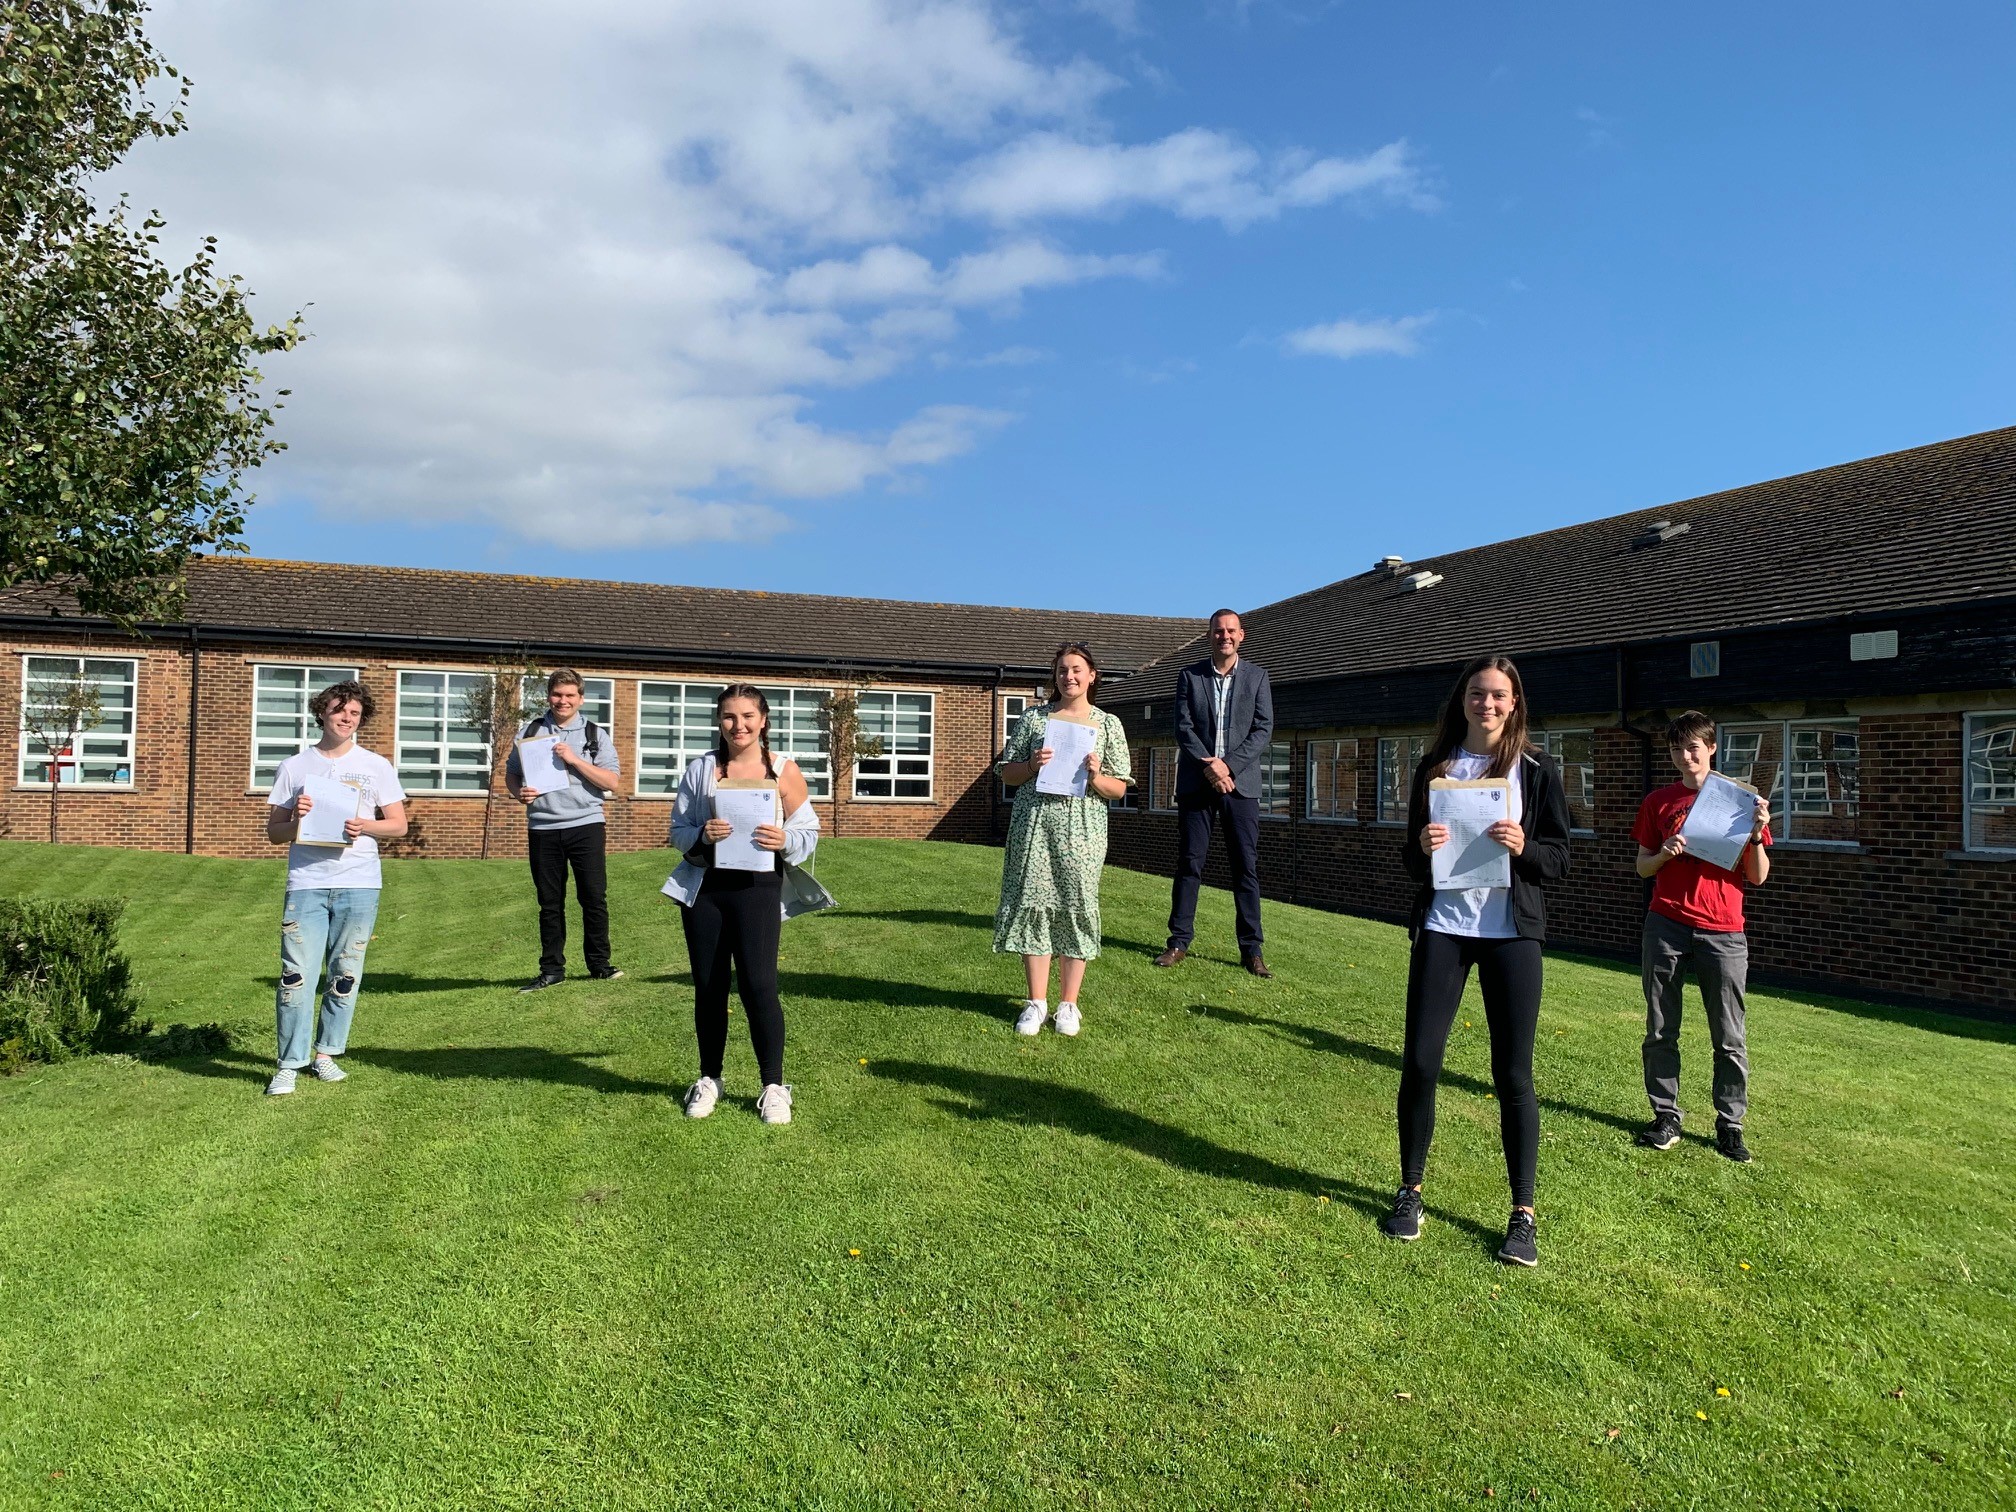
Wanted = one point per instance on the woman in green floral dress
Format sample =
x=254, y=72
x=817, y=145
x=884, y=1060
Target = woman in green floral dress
x=1057, y=843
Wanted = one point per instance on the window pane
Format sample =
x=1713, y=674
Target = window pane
x=1574, y=752
x=902, y=721
x=97, y=753
x=1332, y=778
x=1991, y=781
x=1754, y=754
x=281, y=723
x=1398, y=756
x=1824, y=776
x=1274, y=765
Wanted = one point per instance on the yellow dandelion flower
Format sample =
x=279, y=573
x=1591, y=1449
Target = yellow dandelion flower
x=1702, y=1415
x=1721, y=1391
x=1743, y=1264
x=864, y=1060
x=1321, y=1198
x=856, y=1254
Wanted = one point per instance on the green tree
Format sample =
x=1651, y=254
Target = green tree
x=130, y=405
x=511, y=693
x=841, y=738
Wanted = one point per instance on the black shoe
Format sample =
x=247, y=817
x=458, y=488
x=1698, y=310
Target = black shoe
x=1404, y=1222
x=1661, y=1134
x=1518, y=1248
x=544, y=979
x=1729, y=1144
x=606, y=973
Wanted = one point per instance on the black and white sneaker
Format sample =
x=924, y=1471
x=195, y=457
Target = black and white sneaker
x=606, y=973
x=1661, y=1134
x=544, y=980
x=1519, y=1248
x=1729, y=1144
x=1404, y=1222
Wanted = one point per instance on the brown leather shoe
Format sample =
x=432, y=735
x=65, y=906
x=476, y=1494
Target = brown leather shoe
x=1258, y=967
x=1171, y=956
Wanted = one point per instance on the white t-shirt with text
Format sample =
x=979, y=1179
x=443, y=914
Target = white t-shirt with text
x=356, y=865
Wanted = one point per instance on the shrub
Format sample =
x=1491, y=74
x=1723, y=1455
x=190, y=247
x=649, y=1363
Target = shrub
x=65, y=986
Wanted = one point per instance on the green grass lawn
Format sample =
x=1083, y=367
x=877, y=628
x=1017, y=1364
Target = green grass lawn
x=497, y=1269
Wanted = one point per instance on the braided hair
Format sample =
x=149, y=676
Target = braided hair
x=749, y=691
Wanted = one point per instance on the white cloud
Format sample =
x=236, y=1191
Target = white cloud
x=1197, y=174
x=1360, y=338
x=585, y=281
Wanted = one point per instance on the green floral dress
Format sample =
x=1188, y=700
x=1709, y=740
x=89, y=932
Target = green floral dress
x=1056, y=850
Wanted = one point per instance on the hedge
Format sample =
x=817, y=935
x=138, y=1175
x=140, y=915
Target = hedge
x=65, y=986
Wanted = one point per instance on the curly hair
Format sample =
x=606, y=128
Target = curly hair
x=338, y=694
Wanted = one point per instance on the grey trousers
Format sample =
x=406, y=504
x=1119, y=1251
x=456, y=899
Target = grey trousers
x=1721, y=961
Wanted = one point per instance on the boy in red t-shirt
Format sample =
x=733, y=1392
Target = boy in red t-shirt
x=1696, y=916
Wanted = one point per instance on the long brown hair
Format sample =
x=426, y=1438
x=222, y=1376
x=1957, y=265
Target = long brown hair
x=743, y=690
x=1076, y=648
x=1455, y=724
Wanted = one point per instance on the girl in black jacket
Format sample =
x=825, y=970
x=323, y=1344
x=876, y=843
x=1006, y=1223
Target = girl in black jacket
x=1498, y=930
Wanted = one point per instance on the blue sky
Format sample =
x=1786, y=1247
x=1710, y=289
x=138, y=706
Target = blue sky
x=1105, y=306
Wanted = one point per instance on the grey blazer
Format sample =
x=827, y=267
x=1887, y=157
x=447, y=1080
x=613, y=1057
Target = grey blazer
x=1249, y=725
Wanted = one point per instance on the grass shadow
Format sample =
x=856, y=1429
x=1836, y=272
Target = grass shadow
x=566, y=1068
x=833, y=988
x=225, y=1065
x=950, y=917
x=405, y=983
x=1019, y=1099
x=1328, y=1042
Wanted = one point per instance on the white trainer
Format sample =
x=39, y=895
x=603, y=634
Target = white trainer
x=1030, y=1020
x=282, y=1083
x=326, y=1069
x=774, y=1106
x=1067, y=1018
x=701, y=1097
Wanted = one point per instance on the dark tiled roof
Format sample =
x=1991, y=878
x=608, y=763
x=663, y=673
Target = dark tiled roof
x=418, y=604
x=1914, y=529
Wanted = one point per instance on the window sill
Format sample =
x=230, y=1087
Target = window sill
x=2006, y=857
x=1275, y=818
x=1337, y=819
x=77, y=787
x=1822, y=847
x=911, y=802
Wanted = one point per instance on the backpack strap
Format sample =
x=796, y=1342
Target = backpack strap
x=591, y=739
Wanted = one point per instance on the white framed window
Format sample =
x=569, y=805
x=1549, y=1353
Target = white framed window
x=1013, y=707
x=1574, y=752
x=598, y=699
x=1398, y=756
x=1130, y=796
x=1809, y=770
x=281, y=723
x=1989, y=785
x=903, y=721
x=795, y=732
x=103, y=754
x=438, y=749
x=675, y=723
x=1162, y=779
x=1276, y=766
x=1330, y=780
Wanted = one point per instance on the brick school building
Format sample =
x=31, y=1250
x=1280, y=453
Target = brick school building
x=197, y=715
x=1852, y=632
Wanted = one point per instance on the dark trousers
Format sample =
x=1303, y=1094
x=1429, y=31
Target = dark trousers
x=1240, y=819
x=552, y=852
x=1508, y=971
x=1721, y=964
x=732, y=930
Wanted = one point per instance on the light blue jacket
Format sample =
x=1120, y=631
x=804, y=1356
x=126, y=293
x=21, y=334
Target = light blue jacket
x=695, y=806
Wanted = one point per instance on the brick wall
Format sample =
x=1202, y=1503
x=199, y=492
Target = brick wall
x=230, y=817
x=1901, y=914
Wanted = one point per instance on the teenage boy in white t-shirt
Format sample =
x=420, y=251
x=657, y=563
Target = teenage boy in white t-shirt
x=332, y=895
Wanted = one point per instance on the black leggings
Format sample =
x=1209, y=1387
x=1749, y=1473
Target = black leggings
x=1508, y=971
x=737, y=918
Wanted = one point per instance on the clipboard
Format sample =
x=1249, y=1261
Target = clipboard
x=323, y=791
x=552, y=777
x=1470, y=858
x=736, y=853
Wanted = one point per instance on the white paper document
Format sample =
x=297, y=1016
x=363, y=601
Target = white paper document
x=539, y=760
x=1470, y=858
x=1070, y=743
x=744, y=808
x=330, y=805
x=1718, y=826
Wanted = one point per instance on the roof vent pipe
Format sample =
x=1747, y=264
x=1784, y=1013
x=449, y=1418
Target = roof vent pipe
x=1390, y=565
x=1660, y=531
x=1416, y=581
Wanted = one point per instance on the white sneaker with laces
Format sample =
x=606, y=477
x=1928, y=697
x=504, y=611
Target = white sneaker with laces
x=701, y=1097
x=326, y=1069
x=282, y=1083
x=1067, y=1018
x=774, y=1106
x=1030, y=1020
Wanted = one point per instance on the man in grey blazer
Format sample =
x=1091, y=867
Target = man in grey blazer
x=1224, y=719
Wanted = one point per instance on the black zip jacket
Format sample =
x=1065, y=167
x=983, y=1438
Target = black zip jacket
x=1544, y=817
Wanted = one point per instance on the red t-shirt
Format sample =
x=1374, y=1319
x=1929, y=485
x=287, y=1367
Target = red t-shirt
x=1687, y=890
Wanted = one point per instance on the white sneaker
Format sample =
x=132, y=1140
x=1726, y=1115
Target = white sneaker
x=1067, y=1018
x=326, y=1069
x=774, y=1106
x=282, y=1083
x=701, y=1097
x=1031, y=1018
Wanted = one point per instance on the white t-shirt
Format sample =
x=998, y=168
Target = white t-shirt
x=356, y=865
x=1481, y=913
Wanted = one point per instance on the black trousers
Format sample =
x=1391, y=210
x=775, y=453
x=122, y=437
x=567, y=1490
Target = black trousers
x=732, y=929
x=552, y=852
x=1508, y=971
x=1240, y=819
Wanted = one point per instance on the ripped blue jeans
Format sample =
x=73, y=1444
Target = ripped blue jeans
x=324, y=932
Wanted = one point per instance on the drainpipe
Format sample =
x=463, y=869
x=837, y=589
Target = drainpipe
x=195, y=695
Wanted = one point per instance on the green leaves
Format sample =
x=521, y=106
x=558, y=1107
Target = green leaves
x=129, y=403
